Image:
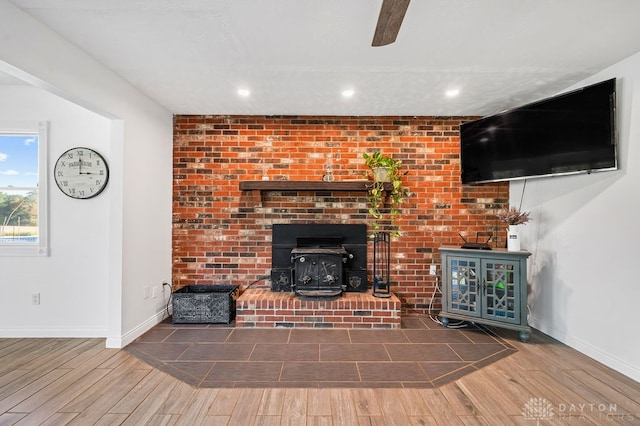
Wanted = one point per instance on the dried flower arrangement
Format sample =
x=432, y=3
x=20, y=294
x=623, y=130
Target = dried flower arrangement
x=513, y=216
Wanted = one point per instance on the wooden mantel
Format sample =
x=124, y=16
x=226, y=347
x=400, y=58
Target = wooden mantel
x=259, y=186
x=303, y=185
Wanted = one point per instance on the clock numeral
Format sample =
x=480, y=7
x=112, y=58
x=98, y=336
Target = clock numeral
x=70, y=155
x=60, y=174
x=80, y=153
x=81, y=193
x=98, y=182
x=64, y=183
x=63, y=164
x=101, y=172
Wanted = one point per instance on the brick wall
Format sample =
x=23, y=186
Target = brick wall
x=221, y=236
x=264, y=308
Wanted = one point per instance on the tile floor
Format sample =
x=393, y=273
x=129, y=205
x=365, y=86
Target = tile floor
x=420, y=354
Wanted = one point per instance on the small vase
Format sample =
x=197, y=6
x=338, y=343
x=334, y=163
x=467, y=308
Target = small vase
x=513, y=238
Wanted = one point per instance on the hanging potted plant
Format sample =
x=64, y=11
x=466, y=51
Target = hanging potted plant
x=387, y=178
x=513, y=217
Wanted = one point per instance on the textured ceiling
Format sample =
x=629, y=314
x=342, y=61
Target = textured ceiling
x=297, y=56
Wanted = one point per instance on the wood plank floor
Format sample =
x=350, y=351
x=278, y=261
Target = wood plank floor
x=80, y=382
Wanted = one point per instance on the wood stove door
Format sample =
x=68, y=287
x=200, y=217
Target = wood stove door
x=318, y=273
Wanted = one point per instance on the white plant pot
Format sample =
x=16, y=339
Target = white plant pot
x=381, y=174
x=513, y=238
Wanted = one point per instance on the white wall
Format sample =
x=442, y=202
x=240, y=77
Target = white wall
x=72, y=286
x=134, y=220
x=584, y=285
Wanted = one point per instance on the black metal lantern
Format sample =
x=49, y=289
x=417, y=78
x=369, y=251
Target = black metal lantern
x=381, y=264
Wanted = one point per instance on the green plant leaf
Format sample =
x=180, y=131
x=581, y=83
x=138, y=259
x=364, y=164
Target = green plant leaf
x=376, y=192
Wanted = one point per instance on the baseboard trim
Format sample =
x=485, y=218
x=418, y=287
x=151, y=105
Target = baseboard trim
x=120, y=342
x=623, y=367
x=37, y=333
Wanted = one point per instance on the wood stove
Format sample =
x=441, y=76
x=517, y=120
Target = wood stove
x=319, y=260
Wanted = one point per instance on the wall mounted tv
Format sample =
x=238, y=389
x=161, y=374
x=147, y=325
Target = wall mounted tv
x=570, y=133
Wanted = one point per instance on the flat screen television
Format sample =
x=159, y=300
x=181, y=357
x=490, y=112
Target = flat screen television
x=570, y=133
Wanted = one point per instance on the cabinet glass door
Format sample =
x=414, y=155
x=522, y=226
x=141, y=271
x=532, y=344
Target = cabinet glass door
x=463, y=273
x=501, y=301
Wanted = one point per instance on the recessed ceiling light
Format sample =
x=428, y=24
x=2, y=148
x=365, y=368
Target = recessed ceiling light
x=452, y=92
x=348, y=93
x=244, y=92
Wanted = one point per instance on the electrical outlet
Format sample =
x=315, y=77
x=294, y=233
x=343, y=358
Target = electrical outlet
x=432, y=269
x=154, y=292
x=35, y=299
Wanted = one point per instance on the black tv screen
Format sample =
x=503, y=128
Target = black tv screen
x=570, y=133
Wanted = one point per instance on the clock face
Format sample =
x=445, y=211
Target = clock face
x=81, y=173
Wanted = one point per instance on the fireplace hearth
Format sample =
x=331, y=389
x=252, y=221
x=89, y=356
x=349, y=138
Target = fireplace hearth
x=319, y=260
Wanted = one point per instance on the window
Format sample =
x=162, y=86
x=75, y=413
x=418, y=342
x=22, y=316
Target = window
x=23, y=189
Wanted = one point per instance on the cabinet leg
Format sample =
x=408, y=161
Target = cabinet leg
x=445, y=321
x=524, y=336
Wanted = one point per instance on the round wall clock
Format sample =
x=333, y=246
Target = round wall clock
x=81, y=173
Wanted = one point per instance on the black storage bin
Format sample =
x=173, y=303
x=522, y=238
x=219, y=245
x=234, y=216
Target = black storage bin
x=204, y=304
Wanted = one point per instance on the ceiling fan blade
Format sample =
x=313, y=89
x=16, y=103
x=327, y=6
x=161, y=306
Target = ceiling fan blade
x=391, y=15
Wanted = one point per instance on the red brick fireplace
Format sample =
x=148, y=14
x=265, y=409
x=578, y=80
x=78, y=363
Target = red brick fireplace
x=221, y=233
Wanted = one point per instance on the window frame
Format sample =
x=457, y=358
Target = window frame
x=40, y=248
